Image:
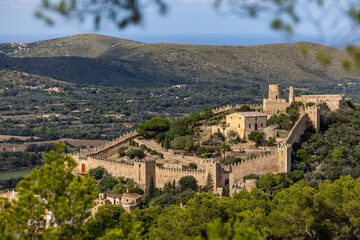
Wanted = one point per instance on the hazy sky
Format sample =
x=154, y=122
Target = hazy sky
x=184, y=16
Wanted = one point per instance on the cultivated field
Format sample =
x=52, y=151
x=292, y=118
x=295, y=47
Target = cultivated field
x=9, y=175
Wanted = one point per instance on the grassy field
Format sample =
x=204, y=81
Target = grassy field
x=9, y=175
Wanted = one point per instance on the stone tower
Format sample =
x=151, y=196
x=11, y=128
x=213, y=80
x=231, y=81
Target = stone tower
x=274, y=92
x=291, y=95
x=143, y=171
x=212, y=168
x=284, y=157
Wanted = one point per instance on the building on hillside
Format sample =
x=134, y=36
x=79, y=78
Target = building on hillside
x=181, y=86
x=117, y=116
x=55, y=89
x=129, y=201
x=244, y=123
x=276, y=105
x=10, y=195
x=331, y=102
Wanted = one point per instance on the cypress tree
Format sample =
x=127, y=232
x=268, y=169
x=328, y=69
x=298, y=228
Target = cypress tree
x=209, y=183
x=225, y=191
x=151, y=187
x=166, y=143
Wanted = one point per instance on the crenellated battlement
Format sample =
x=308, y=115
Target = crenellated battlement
x=235, y=107
x=255, y=159
x=119, y=162
x=284, y=145
x=179, y=170
x=144, y=161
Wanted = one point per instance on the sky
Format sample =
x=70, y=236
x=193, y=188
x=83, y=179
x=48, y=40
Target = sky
x=187, y=21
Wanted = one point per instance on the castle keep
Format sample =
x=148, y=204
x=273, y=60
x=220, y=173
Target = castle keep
x=276, y=161
x=276, y=105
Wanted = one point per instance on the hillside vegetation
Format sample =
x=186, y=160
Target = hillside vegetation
x=97, y=59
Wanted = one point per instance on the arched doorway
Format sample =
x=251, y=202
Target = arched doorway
x=226, y=182
x=83, y=168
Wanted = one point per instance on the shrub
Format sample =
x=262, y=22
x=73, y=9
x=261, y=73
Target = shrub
x=136, y=190
x=310, y=104
x=256, y=136
x=135, y=153
x=192, y=166
x=153, y=152
x=251, y=176
x=206, y=152
x=188, y=182
x=160, y=155
x=271, y=142
x=97, y=173
x=109, y=182
x=121, y=151
x=244, y=108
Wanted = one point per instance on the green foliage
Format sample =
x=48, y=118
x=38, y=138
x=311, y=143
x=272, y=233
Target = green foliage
x=122, y=184
x=293, y=114
x=209, y=186
x=282, y=120
x=192, y=166
x=271, y=184
x=138, y=153
x=15, y=161
x=207, y=113
x=98, y=172
x=136, y=190
x=255, y=136
x=121, y=151
x=224, y=148
x=271, y=142
x=245, y=108
x=251, y=176
x=302, y=155
x=166, y=143
x=50, y=188
x=194, y=117
x=188, y=182
x=334, y=152
x=109, y=182
x=225, y=191
x=106, y=217
x=310, y=104
x=176, y=131
x=159, y=137
x=151, y=187
x=184, y=142
x=154, y=126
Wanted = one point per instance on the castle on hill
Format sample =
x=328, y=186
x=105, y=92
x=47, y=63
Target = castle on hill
x=311, y=108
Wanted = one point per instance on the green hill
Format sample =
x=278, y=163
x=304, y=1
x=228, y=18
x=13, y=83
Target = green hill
x=97, y=59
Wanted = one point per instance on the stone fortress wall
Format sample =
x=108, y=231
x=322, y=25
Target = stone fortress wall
x=276, y=162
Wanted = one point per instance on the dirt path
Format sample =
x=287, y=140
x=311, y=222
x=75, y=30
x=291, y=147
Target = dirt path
x=187, y=159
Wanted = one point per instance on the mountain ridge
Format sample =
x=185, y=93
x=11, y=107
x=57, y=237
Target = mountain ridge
x=98, y=59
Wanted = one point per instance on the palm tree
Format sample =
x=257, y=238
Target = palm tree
x=223, y=126
x=224, y=147
x=197, y=132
